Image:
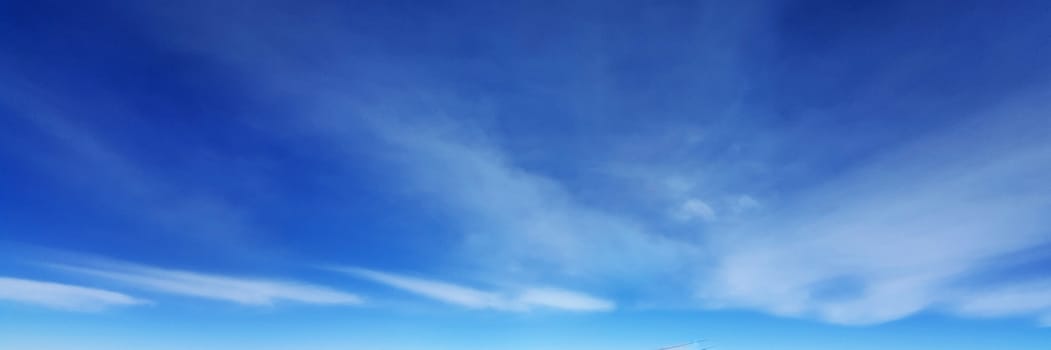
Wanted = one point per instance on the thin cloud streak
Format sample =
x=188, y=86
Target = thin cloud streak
x=525, y=300
x=62, y=296
x=441, y=291
x=564, y=300
x=128, y=185
x=246, y=291
x=1021, y=299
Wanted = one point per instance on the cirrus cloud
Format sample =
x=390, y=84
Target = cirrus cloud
x=523, y=300
x=62, y=296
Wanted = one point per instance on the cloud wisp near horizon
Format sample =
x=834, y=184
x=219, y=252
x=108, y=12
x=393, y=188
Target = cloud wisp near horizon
x=63, y=296
x=524, y=300
x=851, y=167
x=240, y=290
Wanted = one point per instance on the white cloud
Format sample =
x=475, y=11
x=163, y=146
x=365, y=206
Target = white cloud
x=876, y=243
x=62, y=296
x=695, y=209
x=879, y=243
x=743, y=203
x=248, y=291
x=123, y=184
x=445, y=292
x=515, y=221
x=1016, y=299
x=895, y=236
x=524, y=300
x=564, y=299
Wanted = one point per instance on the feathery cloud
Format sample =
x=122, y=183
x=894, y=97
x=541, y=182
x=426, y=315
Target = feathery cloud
x=62, y=296
x=524, y=300
x=876, y=243
x=894, y=237
x=695, y=209
x=1019, y=299
x=247, y=291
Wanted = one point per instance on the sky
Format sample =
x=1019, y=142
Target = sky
x=525, y=175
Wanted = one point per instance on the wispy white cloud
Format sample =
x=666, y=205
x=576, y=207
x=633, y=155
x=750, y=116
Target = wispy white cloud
x=695, y=209
x=879, y=242
x=895, y=236
x=564, y=299
x=248, y=291
x=1019, y=299
x=742, y=203
x=62, y=296
x=517, y=221
x=510, y=221
x=126, y=184
x=441, y=291
x=524, y=300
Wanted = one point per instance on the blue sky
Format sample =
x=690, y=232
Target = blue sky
x=526, y=175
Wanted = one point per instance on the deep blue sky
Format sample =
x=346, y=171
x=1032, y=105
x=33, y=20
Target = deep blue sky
x=525, y=175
